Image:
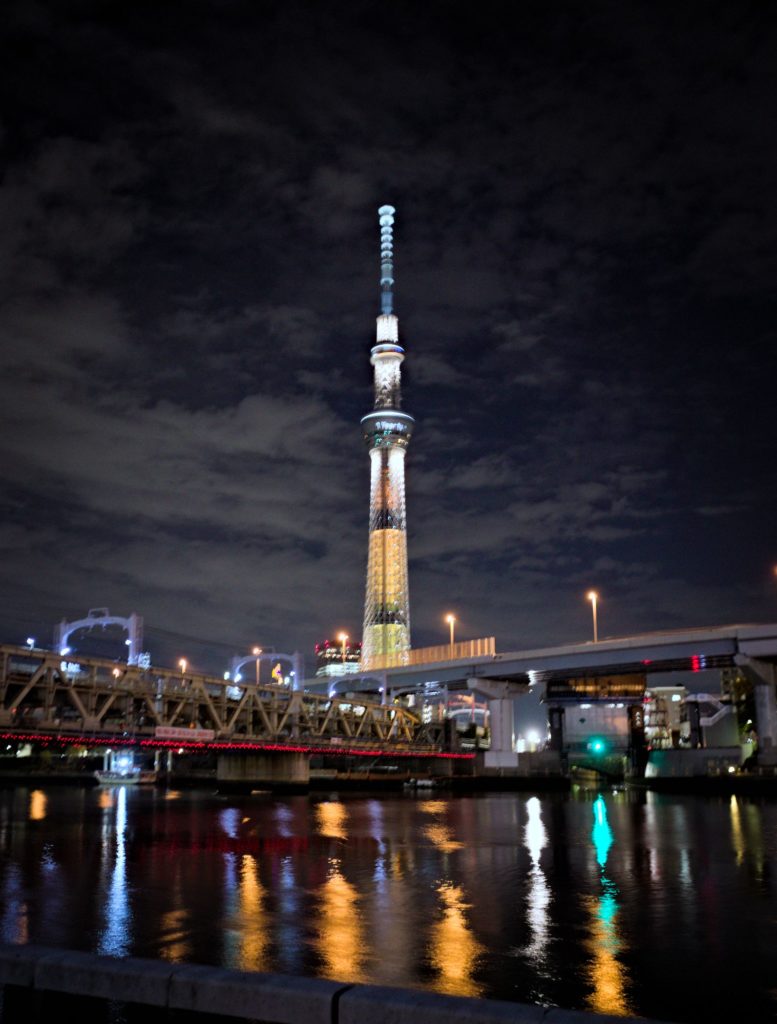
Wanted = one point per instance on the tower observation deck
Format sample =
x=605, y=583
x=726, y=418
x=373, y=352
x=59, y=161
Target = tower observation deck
x=387, y=432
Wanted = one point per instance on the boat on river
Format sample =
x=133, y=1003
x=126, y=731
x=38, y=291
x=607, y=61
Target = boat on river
x=119, y=769
x=135, y=777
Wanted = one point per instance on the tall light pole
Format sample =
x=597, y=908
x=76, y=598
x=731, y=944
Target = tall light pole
x=343, y=638
x=593, y=597
x=451, y=620
x=256, y=652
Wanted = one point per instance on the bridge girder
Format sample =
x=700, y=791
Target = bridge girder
x=39, y=692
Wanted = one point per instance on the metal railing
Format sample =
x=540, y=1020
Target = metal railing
x=464, y=650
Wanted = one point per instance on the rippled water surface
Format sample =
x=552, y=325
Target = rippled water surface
x=660, y=906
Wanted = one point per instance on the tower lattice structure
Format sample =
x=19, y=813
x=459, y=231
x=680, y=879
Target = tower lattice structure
x=387, y=431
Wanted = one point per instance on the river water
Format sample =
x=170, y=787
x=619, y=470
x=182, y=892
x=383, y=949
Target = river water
x=608, y=901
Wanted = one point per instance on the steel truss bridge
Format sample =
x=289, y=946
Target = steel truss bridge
x=96, y=701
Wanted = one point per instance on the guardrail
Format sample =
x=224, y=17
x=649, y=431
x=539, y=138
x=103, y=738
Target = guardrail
x=485, y=647
x=34, y=980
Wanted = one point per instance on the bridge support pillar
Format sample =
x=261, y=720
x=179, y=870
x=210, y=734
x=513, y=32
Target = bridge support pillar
x=282, y=770
x=764, y=678
x=502, y=751
x=556, y=725
x=500, y=695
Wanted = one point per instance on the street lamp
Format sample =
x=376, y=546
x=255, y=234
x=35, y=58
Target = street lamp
x=182, y=665
x=343, y=638
x=593, y=597
x=256, y=652
x=451, y=620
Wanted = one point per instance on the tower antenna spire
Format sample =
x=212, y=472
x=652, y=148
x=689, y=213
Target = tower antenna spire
x=386, y=217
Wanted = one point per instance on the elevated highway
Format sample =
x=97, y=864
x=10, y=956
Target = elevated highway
x=610, y=669
x=646, y=653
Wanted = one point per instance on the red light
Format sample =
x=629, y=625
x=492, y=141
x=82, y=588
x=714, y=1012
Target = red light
x=113, y=741
x=695, y=663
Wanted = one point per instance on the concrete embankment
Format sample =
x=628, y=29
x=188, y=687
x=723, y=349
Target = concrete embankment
x=37, y=983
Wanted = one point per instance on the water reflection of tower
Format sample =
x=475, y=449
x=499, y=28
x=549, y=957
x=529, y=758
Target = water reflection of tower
x=387, y=432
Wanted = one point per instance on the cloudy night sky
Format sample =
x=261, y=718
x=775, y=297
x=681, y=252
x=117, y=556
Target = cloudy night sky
x=586, y=258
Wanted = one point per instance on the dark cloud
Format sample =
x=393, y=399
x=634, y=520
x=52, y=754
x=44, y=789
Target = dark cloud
x=585, y=268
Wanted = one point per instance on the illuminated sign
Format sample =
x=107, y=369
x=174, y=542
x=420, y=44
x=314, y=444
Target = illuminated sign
x=168, y=732
x=390, y=425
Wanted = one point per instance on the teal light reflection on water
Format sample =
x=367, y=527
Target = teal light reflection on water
x=602, y=833
x=607, y=975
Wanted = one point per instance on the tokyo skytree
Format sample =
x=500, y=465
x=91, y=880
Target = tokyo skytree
x=387, y=431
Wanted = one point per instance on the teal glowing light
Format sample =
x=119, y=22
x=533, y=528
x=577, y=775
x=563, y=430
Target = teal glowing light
x=597, y=745
x=602, y=833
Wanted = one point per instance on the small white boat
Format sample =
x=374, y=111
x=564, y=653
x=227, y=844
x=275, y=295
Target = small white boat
x=135, y=777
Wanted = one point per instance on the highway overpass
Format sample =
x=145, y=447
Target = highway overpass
x=616, y=668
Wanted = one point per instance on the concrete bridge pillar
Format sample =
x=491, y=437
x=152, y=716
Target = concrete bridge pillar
x=285, y=770
x=501, y=708
x=764, y=677
x=556, y=724
x=502, y=751
x=766, y=718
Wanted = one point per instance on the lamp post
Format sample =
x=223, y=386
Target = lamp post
x=343, y=638
x=451, y=620
x=182, y=663
x=593, y=597
x=256, y=653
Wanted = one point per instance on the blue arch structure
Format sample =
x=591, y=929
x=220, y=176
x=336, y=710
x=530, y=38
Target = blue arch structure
x=133, y=625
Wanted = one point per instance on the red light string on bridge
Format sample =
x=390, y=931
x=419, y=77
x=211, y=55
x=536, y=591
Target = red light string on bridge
x=114, y=741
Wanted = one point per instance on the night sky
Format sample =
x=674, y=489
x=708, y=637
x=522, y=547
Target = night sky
x=586, y=259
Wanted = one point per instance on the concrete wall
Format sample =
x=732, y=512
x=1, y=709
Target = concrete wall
x=281, y=769
x=684, y=764
x=29, y=973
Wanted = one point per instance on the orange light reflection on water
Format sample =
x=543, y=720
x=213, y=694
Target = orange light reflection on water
x=252, y=927
x=454, y=949
x=341, y=942
x=607, y=975
x=331, y=820
x=438, y=832
x=38, y=803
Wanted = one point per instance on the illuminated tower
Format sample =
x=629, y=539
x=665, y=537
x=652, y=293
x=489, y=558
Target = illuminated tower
x=387, y=432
